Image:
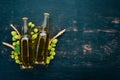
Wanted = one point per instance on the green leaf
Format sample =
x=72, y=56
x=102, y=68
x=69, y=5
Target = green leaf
x=17, y=48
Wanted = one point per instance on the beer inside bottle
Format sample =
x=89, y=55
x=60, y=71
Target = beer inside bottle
x=26, y=47
x=41, y=50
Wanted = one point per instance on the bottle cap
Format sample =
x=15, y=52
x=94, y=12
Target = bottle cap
x=46, y=14
x=24, y=18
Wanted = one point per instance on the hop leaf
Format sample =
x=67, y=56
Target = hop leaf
x=17, y=48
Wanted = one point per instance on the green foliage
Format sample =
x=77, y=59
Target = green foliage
x=17, y=48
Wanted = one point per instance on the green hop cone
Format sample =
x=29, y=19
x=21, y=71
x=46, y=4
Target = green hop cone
x=49, y=47
x=17, y=37
x=32, y=33
x=18, y=42
x=32, y=25
x=33, y=41
x=12, y=56
x=48, y=60
x=51, y=57
x=29, y=24
x=14, y=43
x=16, y=54
x=16, y=57
x=54, y=41
x=52, y=49
x=13, y=33
x=34, y=36
x=12, y=52
x=17, y=61
x=13, y=39
x=52, y=53
x=53, y=45
x=35, y=30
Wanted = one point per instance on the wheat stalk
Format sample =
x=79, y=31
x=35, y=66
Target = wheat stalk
x=9, y=45
x=15, y=29
x=60, y=33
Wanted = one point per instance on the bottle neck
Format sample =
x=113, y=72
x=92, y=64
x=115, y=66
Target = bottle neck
x=25, y=27
x=45, y=23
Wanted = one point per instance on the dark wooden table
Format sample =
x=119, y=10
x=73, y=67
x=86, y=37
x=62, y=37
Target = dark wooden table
x=89, y=50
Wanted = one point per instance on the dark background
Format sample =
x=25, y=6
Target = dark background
x=70, y=63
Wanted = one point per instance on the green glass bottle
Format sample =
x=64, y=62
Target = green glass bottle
x=41, y=50
x=26, y=47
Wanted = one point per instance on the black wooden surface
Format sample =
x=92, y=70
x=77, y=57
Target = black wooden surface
x=88, y=22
